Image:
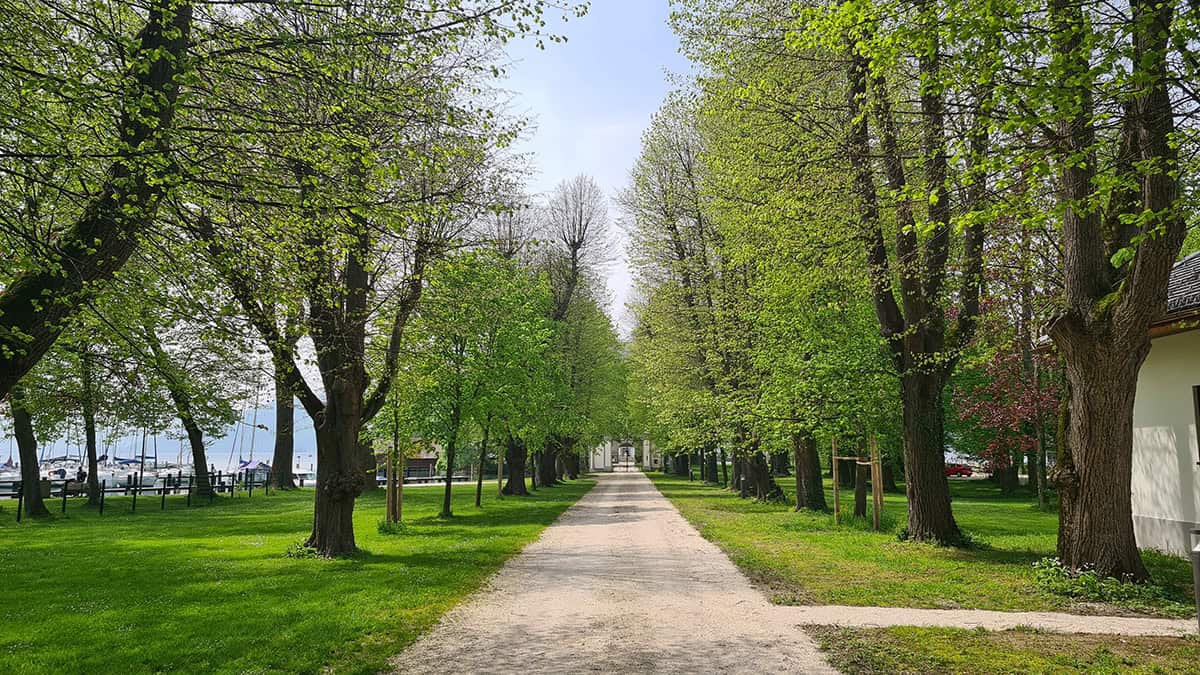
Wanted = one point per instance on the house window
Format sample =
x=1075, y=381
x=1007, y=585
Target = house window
x=1196, y=416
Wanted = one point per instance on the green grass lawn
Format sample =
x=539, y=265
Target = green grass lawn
x=952, y=650
x=803, y=558
x=210, y=589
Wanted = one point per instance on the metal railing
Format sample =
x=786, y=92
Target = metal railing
x=134, y=487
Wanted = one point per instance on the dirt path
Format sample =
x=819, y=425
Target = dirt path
x=621, y=583
x=1057, y=622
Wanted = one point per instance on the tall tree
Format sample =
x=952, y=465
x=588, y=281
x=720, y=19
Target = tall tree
x=118, y=202
x=1122, y=227
x=481, y=321
x=576, y=223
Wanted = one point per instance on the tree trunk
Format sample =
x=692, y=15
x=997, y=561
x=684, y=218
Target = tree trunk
x=89, y=425
x=514, y=464
x=810, y=488
x=889, y=475
x=929, y=515
x=35, y=304
x=1006, y=476
x=846, y=472
x=860, y=483
x=682, y=464
x=760, y=480
x=703, y=467
x=394, y=498
x=1041, y=463
x=736, y=482
x=284, y=457
x=483, y=447
x=451, y=446
x=182, y=399
x=711, y=464
x=779, y=464
x=744, y=476
x=31, y=479
x=547, y=464
x=724, y=469
x=201, y=481
x=1096, y=519
x=573, y=465
x=339, y=474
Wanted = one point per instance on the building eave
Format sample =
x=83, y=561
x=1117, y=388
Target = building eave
x=1176, y=322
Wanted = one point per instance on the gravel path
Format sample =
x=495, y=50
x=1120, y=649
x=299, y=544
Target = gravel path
x=620, y=583
x=879, y=617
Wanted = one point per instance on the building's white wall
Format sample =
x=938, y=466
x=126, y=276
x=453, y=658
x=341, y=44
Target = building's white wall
x=602, y=456
x=1166, y=482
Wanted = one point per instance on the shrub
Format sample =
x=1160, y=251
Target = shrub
x=300, y=550
x=1086, y=585
x=389, y=527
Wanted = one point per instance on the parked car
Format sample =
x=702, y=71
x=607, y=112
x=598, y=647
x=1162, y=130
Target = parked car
x=958, y=470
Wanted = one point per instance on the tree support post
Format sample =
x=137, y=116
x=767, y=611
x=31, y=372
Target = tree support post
x=837, y=499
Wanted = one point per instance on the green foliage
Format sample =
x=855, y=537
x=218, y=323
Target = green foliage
x=1085, y=585
x=473, y=350
x=390, y=527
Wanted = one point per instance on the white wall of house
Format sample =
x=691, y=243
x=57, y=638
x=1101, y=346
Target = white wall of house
x=1166, y=479
x=602, y=455
x=651, y=456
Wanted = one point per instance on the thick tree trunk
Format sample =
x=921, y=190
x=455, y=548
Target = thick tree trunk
x=339, y=474
x=724, y=469
x=711, y=464
x=201, y=482
x=1006, y=476
x=35, y=305
x=779, y=464
x=572, y=465
x=31, y=483
x=736, y=484
x=514, y=465
x=810, y=488
x=929, y=515
x=1096, y=518
x=284, y=457
x=89, y=425
x=758, y=475
x=547, y=462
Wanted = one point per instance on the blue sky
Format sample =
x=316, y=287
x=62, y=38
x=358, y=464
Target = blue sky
x=591, y=98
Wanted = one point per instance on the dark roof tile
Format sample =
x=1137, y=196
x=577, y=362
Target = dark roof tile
x=1183, y=289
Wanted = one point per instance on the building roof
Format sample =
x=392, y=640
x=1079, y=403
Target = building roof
x=1183, y=289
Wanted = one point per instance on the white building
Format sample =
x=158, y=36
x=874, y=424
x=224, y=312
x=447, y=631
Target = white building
x=1166, y=453
x=612, y=453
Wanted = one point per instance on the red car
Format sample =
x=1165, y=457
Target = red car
x=958, y=470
